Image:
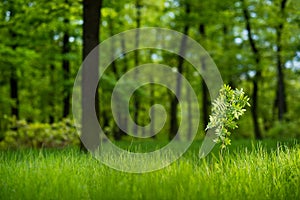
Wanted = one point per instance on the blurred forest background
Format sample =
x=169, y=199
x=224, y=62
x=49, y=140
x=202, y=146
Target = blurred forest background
x=254, y=43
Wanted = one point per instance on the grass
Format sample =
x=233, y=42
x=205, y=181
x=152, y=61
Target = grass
x=260, y=170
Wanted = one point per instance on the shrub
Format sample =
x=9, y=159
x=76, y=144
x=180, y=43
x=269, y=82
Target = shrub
x=38, y=135
x=226, y=110
x=284, y=129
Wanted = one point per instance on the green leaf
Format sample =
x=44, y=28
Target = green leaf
x=226, y=110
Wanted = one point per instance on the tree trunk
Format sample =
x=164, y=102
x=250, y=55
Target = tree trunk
x=52, y=95
x=254, y=108
x=117, y=131
x=205, y=96
x=152, y=112
x=190, y=116
x=13, y=79
x=66, y=70
x=174, y=99
x=125, y=64
x=91, y=23
x=14, y=93
x=136, y=63
x=257, y=76
x=205, y=104
x=280, y=94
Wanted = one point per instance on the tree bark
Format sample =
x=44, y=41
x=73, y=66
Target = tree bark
x=14, y=93
x=205, y=96
x=152, y=112
x=254, y=107
x=117, y=131
x=52, y=95
x=13, y=79
x=257, y=76
x=66, y=48
x=91, y=25
x=190, y=115
x=136, y=63
x=280, y=94
x=124, y=118
x=174, y=99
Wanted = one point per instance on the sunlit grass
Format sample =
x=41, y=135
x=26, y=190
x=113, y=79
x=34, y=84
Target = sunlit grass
x=266, y=170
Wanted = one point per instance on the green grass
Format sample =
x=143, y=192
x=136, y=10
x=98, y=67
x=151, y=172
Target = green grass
x=264, y=170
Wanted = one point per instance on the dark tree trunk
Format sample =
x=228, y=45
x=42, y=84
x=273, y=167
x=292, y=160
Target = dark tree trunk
x=152, y=112
x=14, y=93
x=174, y=99
x=52, y=95
x=205, y=104
x=66, y=70
x=112, y=48
x=254, y=108
x=190, y=116
x=125, y=64
x=117, y=131
x=189, y=108
x=91, y=25
x=125, y=60
x=136, y=63
x=205, y=96
x=257, y=74
x=173, y=117
x=13, y=79
x=280, y=94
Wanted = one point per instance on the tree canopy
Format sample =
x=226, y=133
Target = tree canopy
x=254, y=43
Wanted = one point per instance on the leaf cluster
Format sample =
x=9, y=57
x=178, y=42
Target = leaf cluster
x=39, y=135
x=226, y=110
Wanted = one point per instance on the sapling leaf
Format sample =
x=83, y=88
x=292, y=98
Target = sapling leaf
x=226, y=110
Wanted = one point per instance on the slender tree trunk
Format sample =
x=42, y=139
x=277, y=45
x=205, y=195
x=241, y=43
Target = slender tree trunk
x=124, y=118
x=91, y=24
x=112, y=48
x=117, y=132
x=136, y=63
x=205, y=104
x=280, y=94
x=13, y=79
x=257, y=76
x=190, y=116
x=174, y=99
x=52, y=95
x=205, y=96
x=14, y=92
x=254, y=107
x=66, y=70
x=152, y=112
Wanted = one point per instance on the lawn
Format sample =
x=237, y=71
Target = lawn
x=248, y=170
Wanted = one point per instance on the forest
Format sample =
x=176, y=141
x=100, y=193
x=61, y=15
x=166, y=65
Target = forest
x=122, y=79
x=255, y=45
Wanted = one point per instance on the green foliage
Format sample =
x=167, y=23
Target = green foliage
x=284, y=129
x=32, y=39
x=226, y=110
x=40, y=135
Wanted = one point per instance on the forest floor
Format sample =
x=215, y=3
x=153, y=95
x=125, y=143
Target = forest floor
x=247, y=170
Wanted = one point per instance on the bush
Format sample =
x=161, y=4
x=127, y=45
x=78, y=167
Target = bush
x=284, y=129
x=226, y=111
x=38, y=135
